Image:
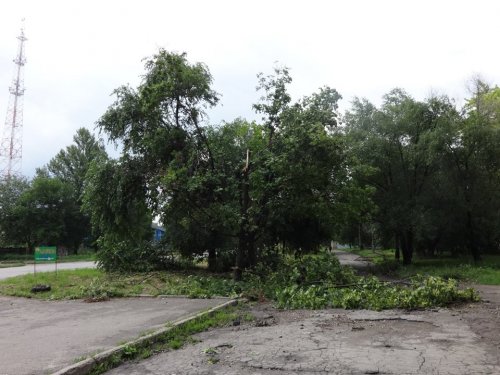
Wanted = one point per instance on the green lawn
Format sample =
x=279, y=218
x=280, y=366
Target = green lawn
x=485, y=272
x=462, y=268
x=96, y=284
x=86, y=257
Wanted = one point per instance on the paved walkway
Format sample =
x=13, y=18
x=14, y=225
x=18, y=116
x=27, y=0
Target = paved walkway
x=352, y=260
x=47, y=267
x=40, y=337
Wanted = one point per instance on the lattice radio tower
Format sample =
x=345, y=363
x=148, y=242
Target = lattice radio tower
x=11, y=145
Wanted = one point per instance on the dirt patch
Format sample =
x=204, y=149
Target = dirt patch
x=459, y=340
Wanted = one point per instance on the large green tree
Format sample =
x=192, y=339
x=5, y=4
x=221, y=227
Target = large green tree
x=159, y=124
x=10, y=192
x=72, y=163
x=45, y=213
x=238, y=186
x=281, y=182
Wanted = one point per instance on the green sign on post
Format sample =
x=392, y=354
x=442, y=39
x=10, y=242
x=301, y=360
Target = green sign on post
x=46, y=253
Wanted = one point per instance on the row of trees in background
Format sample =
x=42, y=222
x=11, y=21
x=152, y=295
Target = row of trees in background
x=434, y=170
x=415, y=175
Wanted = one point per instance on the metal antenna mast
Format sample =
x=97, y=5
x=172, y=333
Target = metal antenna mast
x=11, y=145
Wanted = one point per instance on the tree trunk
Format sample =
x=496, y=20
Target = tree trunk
x=471, y=238
x=251, y=250
x=360, y=241
x=397, y=251
x=212, y=260
x=407, y=246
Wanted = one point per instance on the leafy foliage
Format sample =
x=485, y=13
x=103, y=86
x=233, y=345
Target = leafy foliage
x=230, y=191
x=98, y=291
x=157, y=124
x=71, y=164
x=372, y=294
x=316, y=282
x=433, y=170
x=10, y=192
x=44, y=212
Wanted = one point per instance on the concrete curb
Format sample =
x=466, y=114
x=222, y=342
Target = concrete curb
x=85, y=366
x=184, y=296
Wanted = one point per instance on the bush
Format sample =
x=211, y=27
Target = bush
x=99, y=290
x=124, y=256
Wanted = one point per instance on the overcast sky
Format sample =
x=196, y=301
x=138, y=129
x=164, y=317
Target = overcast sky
x=79, y=51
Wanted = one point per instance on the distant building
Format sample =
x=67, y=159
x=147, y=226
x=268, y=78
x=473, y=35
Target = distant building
x=159, y=231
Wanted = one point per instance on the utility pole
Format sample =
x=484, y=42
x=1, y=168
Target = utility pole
x=11, y=145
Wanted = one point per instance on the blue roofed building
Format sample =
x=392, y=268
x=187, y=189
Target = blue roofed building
x=158, y=231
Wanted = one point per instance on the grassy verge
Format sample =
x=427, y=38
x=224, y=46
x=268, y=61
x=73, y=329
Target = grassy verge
x=175, y=338
x=86, y=257
x=7, y=264
x=485, y=272
x=96, y=285
x=462, y=268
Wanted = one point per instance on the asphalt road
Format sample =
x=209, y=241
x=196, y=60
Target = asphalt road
x=48, y=267
x=41, y=337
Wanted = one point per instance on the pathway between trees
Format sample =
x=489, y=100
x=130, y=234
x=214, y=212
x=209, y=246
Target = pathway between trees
x=352, y=260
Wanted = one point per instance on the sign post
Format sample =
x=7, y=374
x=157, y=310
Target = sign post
x=45, y=254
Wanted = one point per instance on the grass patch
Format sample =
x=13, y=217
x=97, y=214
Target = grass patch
x=66, y=284
x=463, y=269
x=174, y=339
x=459, y=268
x=485, y=272
x=86, y=257
x=96, y=285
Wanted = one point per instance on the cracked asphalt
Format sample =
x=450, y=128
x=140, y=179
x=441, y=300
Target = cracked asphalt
x=41, y=337
x=460, y=340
